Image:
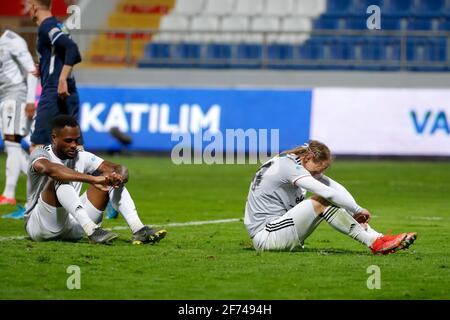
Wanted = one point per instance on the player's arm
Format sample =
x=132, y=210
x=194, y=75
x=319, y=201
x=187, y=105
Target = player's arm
x=63, y=90
x=362, y=216
x=72, y=56
x=333, y=184
x=338, y=197
x=62, y=173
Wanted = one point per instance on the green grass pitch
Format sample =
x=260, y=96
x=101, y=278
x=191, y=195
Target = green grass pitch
x=216, y=261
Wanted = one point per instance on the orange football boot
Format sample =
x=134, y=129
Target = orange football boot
x=5, y=200
x=387, y=244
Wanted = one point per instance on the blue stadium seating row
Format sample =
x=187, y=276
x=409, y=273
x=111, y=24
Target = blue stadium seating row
x=319, y=50
x=387, y=23
x=372, y=52
x=394, y=8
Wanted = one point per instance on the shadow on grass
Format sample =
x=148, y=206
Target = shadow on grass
x=325, y=251
x=319, y=251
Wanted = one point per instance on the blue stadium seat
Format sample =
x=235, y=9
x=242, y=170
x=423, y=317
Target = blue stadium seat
x=446, y=9
x=217, y=55
x=372, y=53
x=358, y=8
x=396, y=8
x=322, y=50
x=156, y=55
x=427, y=8
x=189, y=50
x=388, y=51
x=158, y=50
x=338, y=8
x=417, y=49
x=444, y=24
x=422, y=23
x=356, y=23
x=425, y=50
x=389, y=48
x=394, y=23
x=280, y=51
x=304, y=51
x=353, y=46
x=439, y=49
x=186, y=55
x=360, y=52
x=329, y=23
x=280, y=56
x=249, y=55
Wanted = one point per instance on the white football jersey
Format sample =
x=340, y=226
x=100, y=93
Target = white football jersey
x=15, y=63
x=273, y=191
x=84, y=162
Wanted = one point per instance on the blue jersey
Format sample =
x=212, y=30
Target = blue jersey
x=56, y=49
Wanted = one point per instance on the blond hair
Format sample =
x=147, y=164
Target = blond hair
x=319, y=151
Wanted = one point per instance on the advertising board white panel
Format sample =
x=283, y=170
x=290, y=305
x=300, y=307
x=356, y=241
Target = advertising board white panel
x=406, y=122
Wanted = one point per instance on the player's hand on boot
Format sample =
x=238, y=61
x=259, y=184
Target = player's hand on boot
x=363, y=217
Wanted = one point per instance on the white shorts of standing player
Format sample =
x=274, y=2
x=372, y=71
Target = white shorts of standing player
x=288, y=231
x=13, y=118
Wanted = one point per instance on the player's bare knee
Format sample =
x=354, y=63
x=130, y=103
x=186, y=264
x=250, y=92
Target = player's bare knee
x=98, y=198
x=319, y=204
x=48, y=194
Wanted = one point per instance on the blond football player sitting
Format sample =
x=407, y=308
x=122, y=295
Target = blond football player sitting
x=278, y=217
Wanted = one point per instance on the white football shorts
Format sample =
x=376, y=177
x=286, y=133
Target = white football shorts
x=50, y=223
x=13, y=118
x=289, y=231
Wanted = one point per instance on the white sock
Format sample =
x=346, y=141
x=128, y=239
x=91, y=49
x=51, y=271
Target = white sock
x=343, y=222
x=70, y=200
x=373, y=232
x=94, y=214
x=14, y=153
x=121, y=201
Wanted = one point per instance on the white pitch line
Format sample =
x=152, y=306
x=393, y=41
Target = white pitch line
x=173, y=224
x=12, y=238
x=182, y=224
x=428, y=218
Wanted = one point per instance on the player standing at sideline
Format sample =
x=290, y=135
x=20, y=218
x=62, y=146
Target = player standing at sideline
x=55, y=210
x=18, y=83
x=278, y=218
x=58, y=55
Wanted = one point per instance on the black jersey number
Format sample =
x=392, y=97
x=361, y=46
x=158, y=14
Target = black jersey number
x=259, y=175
